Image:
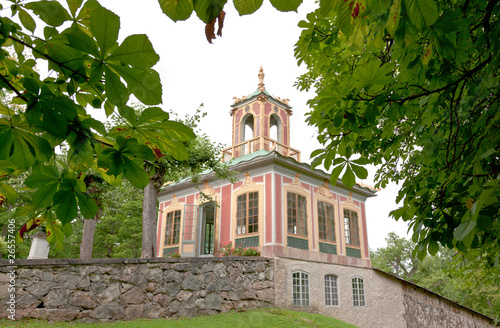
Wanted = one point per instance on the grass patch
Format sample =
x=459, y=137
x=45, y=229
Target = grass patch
x=264, y=318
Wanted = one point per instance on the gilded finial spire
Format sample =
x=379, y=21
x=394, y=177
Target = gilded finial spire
x=261, y=79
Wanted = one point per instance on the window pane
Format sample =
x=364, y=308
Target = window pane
x=358, y=292
x=300, y=288
x=331, y=296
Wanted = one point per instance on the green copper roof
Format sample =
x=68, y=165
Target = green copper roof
x=257, y=91
x=248, y=157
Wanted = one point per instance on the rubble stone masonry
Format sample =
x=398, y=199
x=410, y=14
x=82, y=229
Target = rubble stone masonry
x=124, y=289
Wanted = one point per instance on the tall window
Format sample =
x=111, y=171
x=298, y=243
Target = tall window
x=296, y=213
x=326, y=221
x=351, y=227
x=300, y=285
x=247, y=213
x=331, y=293
x=173, y=228
x=358, y=292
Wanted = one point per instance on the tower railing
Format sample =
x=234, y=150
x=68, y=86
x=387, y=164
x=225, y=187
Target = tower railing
x=258, y=143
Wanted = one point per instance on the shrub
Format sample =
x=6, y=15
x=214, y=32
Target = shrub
x=227, y=249
x=175, y=254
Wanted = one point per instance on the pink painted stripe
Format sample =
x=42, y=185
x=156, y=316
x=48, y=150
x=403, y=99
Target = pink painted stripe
x=268, y=217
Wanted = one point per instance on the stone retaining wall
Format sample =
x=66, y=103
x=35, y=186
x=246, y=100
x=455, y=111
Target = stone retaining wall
x=426, y=309
x=124, y=289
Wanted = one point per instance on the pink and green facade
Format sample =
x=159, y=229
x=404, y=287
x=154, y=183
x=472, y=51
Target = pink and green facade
x=279, y=205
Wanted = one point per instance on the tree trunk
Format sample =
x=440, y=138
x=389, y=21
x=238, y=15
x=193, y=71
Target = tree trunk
x=149, y=215
x=87, y=245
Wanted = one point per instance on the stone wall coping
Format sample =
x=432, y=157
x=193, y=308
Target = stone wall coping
x=93, y=261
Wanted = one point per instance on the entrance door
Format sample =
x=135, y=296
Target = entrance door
x=207, y=228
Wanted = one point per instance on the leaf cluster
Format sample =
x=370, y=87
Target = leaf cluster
x=413, y=87
x=89, y=71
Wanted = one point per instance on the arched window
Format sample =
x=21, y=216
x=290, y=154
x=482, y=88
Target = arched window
x=247, y=124
x=331, y=291
x=358, y=292
x=300, y=286
x=247, y=132
x=275, y=128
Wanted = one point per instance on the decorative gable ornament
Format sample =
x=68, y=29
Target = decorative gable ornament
x=208, y=194
x=247, y=182
x=296, y=182
x=325, y=191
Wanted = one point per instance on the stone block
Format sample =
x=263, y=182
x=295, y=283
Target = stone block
x=155, y=275
x=109, y=294
x=54, y=314
x=163, y=300
x=134, y=296
x=134, y=311
x=181, y=267
x=154, y=310
x=41, y=288
x=108, y=312
x=184, y=296
x=213, y=301
x=86, y=300
x=56, y=298
x=191, y=282
x=266, y=295
x=173, y=288
x=150, y=287
x=172, y=276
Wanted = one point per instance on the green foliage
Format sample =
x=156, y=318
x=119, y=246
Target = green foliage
x=412, y=87
x=475, y=284
x=208, y=10
x=89, y=68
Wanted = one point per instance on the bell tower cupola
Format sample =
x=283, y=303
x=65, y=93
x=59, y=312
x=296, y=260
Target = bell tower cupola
x=260, y=122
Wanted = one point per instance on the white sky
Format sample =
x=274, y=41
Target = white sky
x=195, y=72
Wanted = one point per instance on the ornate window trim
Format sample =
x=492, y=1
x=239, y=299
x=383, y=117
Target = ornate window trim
x=326, y=196
x=350, y=205
x=174, y=206
x=248, y=187
x=296, y=188
x=212, y=196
